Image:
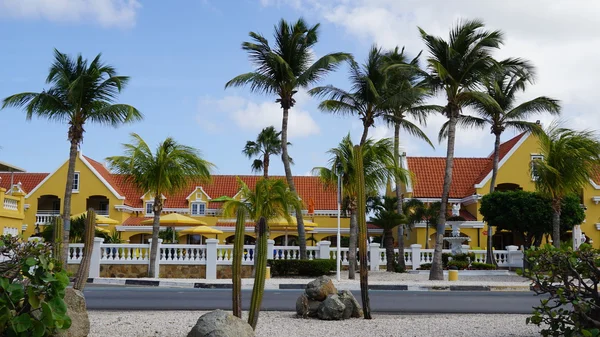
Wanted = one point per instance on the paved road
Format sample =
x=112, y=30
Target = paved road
x=146, y=298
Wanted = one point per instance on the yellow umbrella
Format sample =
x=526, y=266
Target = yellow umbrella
x=99, y=219
x=104, y=230
x=201, y=230
x=175, y=219
x=282, y=223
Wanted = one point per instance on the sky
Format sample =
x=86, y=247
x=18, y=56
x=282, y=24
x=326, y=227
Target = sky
x=180, y=54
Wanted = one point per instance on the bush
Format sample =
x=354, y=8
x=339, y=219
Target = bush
x=458, y=264
x=425, y=266
x=482, y=266
x=32, y=289
x=317, y=267
x=570, y=278
x=399, y=269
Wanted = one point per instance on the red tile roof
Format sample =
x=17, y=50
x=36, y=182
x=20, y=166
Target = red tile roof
x=28, y=180
x=134, y=221
x=104, y=173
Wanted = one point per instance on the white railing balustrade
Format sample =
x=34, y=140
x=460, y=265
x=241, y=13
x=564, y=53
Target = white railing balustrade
x=182, y=254
x=11, y=204
x=75, y=252
x=115, y=253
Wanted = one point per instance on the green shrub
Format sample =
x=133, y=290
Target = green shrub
x=458, y=264
x=425, y=266
x=32, y=289
x=482, y=266
x=445, y=259
x=317, y=267
x=399, y=269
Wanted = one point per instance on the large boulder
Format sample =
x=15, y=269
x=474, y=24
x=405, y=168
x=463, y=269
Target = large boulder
x=353, y=308
x=77, y=311
x=319, y=289
x=219, y=323
x=331, y=309
x=306, y=307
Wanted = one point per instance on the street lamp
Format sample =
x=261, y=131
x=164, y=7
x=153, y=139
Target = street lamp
x=339, y=173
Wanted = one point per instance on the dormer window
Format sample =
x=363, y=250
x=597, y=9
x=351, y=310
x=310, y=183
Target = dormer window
x=198, y=208
x=150, y=207
x=534, y=174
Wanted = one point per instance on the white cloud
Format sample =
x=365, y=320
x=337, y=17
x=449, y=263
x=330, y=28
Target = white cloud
x=253, y=116
x=107, y=13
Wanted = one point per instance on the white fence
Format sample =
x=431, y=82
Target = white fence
x=212, y=254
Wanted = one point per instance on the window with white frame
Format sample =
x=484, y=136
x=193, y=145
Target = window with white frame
x=150, y=207
x=198, y=208
x=535, y=157
x=76, y=182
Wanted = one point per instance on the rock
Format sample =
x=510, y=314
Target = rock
x=353, y=308
x=219, y=323
x=77, y=311
x=331, y=309
x=319, y=289
x=306, y=307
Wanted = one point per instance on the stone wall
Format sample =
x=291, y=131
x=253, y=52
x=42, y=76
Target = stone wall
x=199, y=271
x=224, y=272
x=124, y=270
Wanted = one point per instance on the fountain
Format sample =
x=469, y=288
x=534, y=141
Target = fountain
x=455, y=239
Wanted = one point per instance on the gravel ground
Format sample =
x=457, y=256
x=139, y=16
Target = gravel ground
x=274, y=324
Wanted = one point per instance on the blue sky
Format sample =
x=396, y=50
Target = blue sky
x=179, y=56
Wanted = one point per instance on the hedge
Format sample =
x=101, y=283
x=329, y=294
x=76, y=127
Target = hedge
x=317, y=267
x=482, y=266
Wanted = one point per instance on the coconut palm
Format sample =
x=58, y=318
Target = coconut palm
x=457, y=67
x=282, y=70
x=167, y=171
x=416, y=211
x=267, y=144
x=570, y=159
x=79, y=93
x=378, y=164
x=387, y=218
x=504, y=113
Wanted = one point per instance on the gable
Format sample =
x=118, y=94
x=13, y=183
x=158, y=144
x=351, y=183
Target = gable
x=506, y=151
x=198, y=194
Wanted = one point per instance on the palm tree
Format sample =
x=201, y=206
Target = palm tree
x=267, y=143
x=79, y=93
x=457, y=67
x=281, y=71
x=387, y=218
x=378, y=165
x=503, y=113
x=570, y=159
x=167, y=171
x=416, y=211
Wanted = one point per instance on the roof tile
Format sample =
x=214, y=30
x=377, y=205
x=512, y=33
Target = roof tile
x=28, y=180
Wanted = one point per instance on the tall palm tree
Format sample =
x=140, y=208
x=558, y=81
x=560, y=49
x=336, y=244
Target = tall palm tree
x=281, y=71
x=167, y=171
x=387, y=218
x=570, y=159
x=503, y=113
x=267, y=143
x=416, y=211
x=79, y=93
x=457, y=67
x=378, y=165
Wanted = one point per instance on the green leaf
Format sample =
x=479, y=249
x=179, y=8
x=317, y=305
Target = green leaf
x=34, y=300
x=39, y=329
x=31, y=261
x=22, y=323
x=47, y=315
x=4, y=283
x=58, y=305
x=586, y=333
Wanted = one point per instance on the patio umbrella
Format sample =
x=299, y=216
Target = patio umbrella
x=283, y=224
x=201, y=230
x=99, y=219
x=175, y=219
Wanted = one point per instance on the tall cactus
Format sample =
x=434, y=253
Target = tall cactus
x=260, y=262
x=361, y=212
x=238, y=251
x=57, y=237
x=88, y=245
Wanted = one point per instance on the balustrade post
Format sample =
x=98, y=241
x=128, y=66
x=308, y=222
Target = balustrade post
x=95, y=258
x=270, y=249
x=324, y=249
x=374, y=256
x=511, y=256
x=415, y=251
x=211, y=259
x=157, y=262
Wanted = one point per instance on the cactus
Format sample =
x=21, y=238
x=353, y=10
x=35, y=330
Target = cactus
x=238, y=251
x=260, y=262
x=88, y=245
x=361, y=212
x=57, y=237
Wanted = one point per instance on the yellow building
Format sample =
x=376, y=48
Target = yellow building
x=12, y=201
x=112, y=196
x=471, y=180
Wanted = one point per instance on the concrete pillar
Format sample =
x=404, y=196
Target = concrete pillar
x=415, y=256
x=324, y=249
x=95, y=259
x=374, y=256
x=270, y=249
x=211, y=259
x=513, y=258
x=157, y=262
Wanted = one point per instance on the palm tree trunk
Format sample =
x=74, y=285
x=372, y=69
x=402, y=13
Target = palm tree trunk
x=437, y=272
x=266, y=166
x=67, y=199
x=389, y=250
x=556, y=223
x=352, y=243
x=290, y=180
x=155, y=229
x=361, y=214
x=88, y=240
x=401, y=262
x=365, y=134
x=427, y=236
x=489, y=256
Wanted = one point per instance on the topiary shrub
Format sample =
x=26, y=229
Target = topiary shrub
x=482, y=266
x=458, y=264
x=570, y=278
x=425, y=266
x=317, y=267
x=32, y=289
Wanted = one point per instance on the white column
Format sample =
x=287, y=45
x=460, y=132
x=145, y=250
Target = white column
x=95, y=259
x=270, y=249
x=324, y=249
x=375, y=256
x=513, y=257
x=211, y=259
x=415, y=251
x=157, y=262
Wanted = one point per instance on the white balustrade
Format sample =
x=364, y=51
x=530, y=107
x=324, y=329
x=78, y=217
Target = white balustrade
x=11, y=204
x=75, y=252
x=182, y=254
x=115, y=253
